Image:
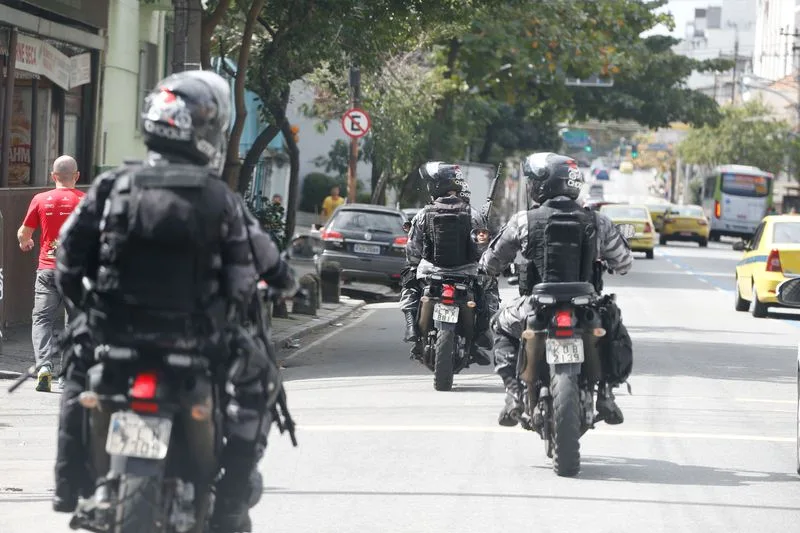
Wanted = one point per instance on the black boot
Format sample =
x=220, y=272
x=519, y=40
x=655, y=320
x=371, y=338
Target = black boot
x=607, y=409
x=239, y=489
x=482, y=349
x=509, y=415
x=411, y=327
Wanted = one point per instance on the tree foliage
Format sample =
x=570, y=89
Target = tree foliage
x=745, y=135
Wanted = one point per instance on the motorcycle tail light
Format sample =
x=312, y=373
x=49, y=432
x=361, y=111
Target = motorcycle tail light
x=564, y=319
x=144, y=386
x=448, y=294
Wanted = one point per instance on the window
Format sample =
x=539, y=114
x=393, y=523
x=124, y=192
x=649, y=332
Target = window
x=757, y=237
x=625, y=212
x=786, y=233
x=148, y=76
x=714, y=17
x=744, y=185
x=687, y=211
x=352, y=220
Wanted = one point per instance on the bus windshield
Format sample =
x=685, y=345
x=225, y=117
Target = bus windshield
x=745, y=185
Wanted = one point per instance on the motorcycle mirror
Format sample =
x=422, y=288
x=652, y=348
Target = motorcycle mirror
x=513, y=280
x=627, y=230
x=788, y=293
x=738, y=246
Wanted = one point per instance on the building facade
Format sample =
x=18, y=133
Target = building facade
x=724, y=29
x=50, y=54
x=136, y=58
x=776, y=23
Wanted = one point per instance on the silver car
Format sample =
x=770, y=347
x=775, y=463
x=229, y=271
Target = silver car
x=368, y=243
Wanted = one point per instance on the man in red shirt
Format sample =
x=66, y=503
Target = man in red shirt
x=48, y=212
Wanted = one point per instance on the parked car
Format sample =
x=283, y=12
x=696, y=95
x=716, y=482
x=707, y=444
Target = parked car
x=367, y=242
x=600, y=174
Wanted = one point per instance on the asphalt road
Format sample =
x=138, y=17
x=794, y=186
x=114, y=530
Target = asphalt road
x=707, y=445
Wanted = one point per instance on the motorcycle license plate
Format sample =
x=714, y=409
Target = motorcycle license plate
x=445, y=313
x=133, y=435
x=563, y=351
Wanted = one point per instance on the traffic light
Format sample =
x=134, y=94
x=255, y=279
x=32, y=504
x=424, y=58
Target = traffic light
x=294, y=130
x=634, y=151
x=587, y=148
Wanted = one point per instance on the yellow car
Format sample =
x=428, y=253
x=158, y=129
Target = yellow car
x=639, y=216
x=626, y=167
x=770, y=257
x=685, y=223
x=657, y=212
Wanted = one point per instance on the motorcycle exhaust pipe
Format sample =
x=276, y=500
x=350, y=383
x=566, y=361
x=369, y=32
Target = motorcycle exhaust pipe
x=425, y=315
x=469, y=320
x=529, y=372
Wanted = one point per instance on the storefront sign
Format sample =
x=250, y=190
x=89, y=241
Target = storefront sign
x=80, y=72
x=56, y=66
x=38, y=57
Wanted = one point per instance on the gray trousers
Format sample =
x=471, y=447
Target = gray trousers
x=47, y=317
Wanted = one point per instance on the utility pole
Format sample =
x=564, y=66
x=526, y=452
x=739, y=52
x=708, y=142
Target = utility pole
x=355, y=86
x=796, y=70
x=735, y=64
x=186, y=28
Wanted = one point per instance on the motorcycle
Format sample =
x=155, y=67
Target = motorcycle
x=447, y=324
x=154, y=433
x=560, y=368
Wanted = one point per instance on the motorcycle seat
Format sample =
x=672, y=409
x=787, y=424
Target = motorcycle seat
x=565, y=291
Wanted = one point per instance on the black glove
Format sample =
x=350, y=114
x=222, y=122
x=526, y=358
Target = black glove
x=280, y=276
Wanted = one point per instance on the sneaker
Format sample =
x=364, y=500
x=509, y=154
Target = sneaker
x=44, y=379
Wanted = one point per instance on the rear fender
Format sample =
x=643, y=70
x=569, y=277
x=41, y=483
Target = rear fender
x=446, y=326
x=570, y=369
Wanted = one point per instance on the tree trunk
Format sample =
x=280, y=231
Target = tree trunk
x=379, y=188
x=253, y=155
x=187, y=31
x=444, y=107
x=488, y=142
x=209, y=24
x=233, y=164
x=294, y=180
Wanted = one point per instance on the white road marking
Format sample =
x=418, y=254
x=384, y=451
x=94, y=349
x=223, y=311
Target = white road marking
x=383, y=305
x=327, y=336
x=499, y=429
x=764, y=400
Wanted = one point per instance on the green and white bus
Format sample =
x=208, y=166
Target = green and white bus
x=735, y=199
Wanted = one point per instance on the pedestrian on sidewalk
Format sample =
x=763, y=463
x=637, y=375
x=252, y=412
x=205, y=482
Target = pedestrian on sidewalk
x=47, y=212
x=331, y=203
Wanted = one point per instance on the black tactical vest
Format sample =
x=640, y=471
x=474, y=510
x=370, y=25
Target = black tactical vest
x=160, y=247
x=562, y=243
x=448, y=240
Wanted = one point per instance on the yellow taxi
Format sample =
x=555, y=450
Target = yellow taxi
x=639, y=216
x=685, y=223
x=770, y=257
x=626, y=167
x=657, y=211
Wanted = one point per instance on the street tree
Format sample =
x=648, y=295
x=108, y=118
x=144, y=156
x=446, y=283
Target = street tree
x=746, y=135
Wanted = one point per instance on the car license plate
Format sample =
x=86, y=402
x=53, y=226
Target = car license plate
x=445, y=313
x=372, y=249
x=132, y=435
x=562, y=351
x=687, y=233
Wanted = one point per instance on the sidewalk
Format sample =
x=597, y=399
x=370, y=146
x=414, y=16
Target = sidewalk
x=16, y=355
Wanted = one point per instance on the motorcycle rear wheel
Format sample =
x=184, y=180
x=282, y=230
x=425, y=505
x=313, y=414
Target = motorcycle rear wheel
x=445, y=355
x=139, y=505
x=566, y=425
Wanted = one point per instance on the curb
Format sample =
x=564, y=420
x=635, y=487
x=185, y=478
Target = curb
x=279, y=343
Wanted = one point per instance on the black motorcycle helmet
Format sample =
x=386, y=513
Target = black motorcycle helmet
x=441, y=178
x=188, y=115
x=548, y=175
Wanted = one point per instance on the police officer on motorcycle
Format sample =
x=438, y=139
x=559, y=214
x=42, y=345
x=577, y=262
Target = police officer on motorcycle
x=162, y=253
x=553, y=181
x=440, y=240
